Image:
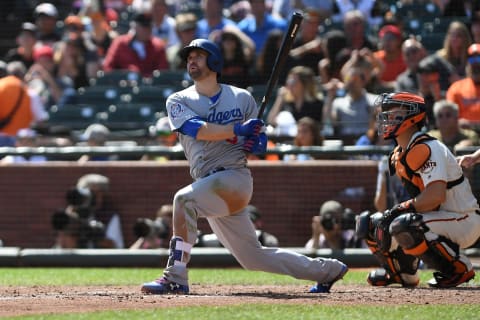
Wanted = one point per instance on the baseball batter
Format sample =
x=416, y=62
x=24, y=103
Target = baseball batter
x=442, y=215
x=216, y=124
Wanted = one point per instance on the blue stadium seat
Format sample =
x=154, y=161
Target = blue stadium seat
x=101, y=96
x=131, y=116
x=116, y=78
x=73, y=116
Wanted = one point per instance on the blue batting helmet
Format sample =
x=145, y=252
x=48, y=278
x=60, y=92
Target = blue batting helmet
x=214, y=59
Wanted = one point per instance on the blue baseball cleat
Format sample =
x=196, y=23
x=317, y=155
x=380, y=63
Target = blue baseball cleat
x=164, y=286
x=325, y=287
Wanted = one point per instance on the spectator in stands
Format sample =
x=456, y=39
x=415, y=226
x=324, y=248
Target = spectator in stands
x=15, y=113
x=89, y=209
x=266, y=58
x=455, y=46
x=258, y=25
x=333, y=228
x=366, y=7
x=153, y=234
x=264, y=238
x=285, y=8
x=138, y=50
x=239, y=10
x=164, y=136
x=42, y=78
x=307, y=46
x=25, y=138
x=163, y=24
x=308, y=135
x=390, y=54
x=238, y=52
x=46, y=15
x=475, y=28
x=39, y=113
x=300, y=96
x=465, y=92
x=333, y=44
x=75, y=55
x=371, y=138
x=446, y=72
x=96, y=135
x=354, y=26
x=350, y=114
x=448, y=130
x=100, y=32
x=413, y=52
x=213, y=18
x=429, y=84
x=25, y=40
x=186, y=28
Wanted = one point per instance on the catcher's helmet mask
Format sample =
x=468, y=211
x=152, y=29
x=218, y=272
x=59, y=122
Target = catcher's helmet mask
x=214, y=59
x=410, y=111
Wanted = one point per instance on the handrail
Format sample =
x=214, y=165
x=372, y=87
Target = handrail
x=178, y=151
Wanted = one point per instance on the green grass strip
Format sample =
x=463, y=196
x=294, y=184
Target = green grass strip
x=287, y=312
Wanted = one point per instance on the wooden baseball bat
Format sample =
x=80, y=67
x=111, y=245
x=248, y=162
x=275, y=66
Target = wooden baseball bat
x=280, y=59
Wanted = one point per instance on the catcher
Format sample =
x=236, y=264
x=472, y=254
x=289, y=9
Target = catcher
x=441, y=217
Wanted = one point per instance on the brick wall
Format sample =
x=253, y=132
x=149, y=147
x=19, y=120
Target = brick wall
x=288, y=195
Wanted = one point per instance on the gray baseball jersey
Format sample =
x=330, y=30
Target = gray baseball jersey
x=233, y=105
x=220, y=197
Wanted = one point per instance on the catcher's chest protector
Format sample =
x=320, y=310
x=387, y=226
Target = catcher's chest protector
x=406, y=162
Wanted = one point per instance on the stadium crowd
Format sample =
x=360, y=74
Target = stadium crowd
x=114, y=62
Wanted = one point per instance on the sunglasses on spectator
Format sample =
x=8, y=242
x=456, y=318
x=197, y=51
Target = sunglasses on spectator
x=444, y=115
x=474, y=59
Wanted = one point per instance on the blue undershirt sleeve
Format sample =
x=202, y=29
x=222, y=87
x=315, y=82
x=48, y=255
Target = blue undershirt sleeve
x=191, y=126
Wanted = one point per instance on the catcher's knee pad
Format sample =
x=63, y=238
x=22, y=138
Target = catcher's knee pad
x=440, y=253
x=408, y=229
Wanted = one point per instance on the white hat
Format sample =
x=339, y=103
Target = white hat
x=47, y=9
x=286, y=124
x=162, y=126
x=97, y=132
x=26, y=133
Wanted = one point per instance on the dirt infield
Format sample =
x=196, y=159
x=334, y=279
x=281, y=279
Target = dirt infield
x=16, y=301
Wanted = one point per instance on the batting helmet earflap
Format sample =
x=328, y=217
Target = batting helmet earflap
x=214, y=59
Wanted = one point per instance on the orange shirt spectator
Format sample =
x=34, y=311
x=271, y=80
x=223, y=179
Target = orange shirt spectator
x=466, y=92
x=390, y=54
x=15, y=113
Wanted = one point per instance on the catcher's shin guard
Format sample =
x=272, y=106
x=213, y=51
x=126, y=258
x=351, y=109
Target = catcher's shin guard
x=439, y=253
x=398, y=267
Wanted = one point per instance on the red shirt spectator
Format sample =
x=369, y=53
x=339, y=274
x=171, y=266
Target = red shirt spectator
x=138, y=50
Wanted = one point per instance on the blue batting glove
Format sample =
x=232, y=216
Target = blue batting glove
x=250, y=127
x=256, y=144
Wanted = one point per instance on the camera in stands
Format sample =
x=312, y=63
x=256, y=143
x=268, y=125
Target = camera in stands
x=77, y=219
x=347, y=220
x=145, y=228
